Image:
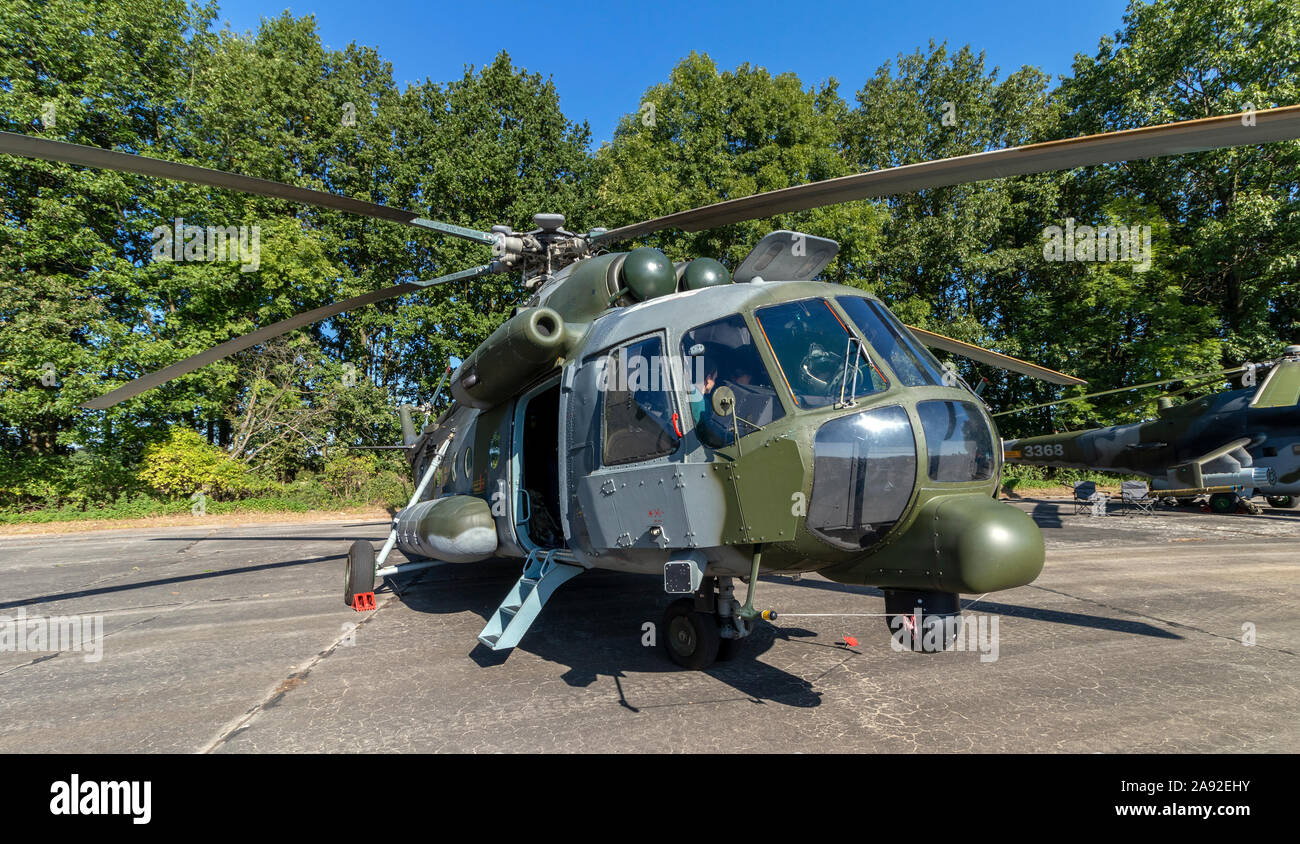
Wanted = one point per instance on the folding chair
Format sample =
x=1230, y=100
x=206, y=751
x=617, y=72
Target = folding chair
x=1083, y=493
x=1136, y=498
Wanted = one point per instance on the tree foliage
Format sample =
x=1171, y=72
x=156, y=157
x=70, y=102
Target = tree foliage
x=86, y=304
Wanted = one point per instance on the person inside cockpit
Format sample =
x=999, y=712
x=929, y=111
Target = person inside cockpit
x=700, y=392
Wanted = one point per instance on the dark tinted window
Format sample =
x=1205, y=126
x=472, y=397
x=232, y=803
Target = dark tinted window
x=722, y=353
x=958, y=441
x=638, y=404
x=911, y=362
x=817, y=359
x=863, y=474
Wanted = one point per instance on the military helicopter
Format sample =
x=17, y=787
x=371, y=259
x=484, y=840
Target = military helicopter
x=1231, y=445
x=705, y=425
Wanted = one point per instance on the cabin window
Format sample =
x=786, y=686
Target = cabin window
x=494, y=449
x=641, y=420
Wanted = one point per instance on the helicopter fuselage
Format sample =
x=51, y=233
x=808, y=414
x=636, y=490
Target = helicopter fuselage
x=846, y=451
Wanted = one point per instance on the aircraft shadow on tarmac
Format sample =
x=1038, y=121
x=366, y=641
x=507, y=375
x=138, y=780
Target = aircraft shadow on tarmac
x=983, y=605
x=165, y=581
x=594, y=626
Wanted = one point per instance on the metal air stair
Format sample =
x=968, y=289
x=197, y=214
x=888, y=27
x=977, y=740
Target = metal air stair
x=544, y=571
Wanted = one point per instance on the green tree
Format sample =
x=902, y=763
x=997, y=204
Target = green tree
x=708, y=135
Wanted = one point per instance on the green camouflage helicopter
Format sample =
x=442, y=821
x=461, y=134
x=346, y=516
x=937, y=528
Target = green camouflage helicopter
x=701, y=424
x=1231, y=445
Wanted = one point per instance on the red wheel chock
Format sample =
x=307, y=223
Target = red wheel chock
x=363, y=601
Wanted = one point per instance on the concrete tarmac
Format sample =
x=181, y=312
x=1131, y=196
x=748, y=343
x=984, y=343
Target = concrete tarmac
x=1173, y=632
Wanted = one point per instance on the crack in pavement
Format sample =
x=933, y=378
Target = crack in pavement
x=296, y=678
x=60, y=653
x=87, y=587
x=197, y=541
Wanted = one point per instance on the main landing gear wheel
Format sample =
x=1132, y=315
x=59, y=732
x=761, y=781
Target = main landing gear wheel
x=1283, y=502
x=1224, y=502
x=359, y=571
x=690, y=637
x=940, y=619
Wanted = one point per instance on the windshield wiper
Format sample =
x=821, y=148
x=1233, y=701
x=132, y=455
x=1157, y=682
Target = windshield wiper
x=844, y=373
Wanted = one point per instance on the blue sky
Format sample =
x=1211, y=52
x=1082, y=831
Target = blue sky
x=602, y=56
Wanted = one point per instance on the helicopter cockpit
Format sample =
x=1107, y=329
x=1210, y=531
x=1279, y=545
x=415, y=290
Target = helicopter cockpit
x=865, y=461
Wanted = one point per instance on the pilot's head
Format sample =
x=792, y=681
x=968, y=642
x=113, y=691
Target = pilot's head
x=710, y=379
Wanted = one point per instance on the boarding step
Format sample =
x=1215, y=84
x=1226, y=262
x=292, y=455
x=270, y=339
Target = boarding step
x=544, y=571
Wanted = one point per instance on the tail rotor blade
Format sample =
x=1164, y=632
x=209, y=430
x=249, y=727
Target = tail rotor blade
x=184, y=367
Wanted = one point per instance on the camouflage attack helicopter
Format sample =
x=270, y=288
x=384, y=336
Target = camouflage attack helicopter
x=1231, y=445
x=706, y=425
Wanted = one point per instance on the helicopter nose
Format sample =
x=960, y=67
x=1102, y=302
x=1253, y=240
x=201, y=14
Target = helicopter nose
x=959, y=542
x=981, y=544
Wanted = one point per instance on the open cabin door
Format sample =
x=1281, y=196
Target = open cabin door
x=535, y=476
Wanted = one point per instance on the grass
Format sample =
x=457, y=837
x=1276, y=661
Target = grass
x=146, y=507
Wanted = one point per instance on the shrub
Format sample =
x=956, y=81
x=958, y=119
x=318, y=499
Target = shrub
x=346, y=475
x=185, y=463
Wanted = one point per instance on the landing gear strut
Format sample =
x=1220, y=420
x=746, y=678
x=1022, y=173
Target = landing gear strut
x=699, y=630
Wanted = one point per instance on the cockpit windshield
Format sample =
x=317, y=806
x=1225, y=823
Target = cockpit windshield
x=821, y=360
x=914, y=366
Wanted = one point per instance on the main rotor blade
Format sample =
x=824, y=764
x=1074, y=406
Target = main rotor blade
x=184, y=367
x=1197, y=376
x=1001, y=361
x=28, y=146
x=1276, y=124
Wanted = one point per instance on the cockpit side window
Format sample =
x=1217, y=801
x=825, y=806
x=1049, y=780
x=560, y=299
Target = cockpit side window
x=820, y=359
x=911, y=362
x=641, y=420
x=723, y=353
x=957, y=440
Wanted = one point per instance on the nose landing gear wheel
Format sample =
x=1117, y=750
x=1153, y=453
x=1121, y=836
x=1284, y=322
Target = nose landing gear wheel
x=1283, y=502
x=359, y=571
x=690, y=637
x=939, y=625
